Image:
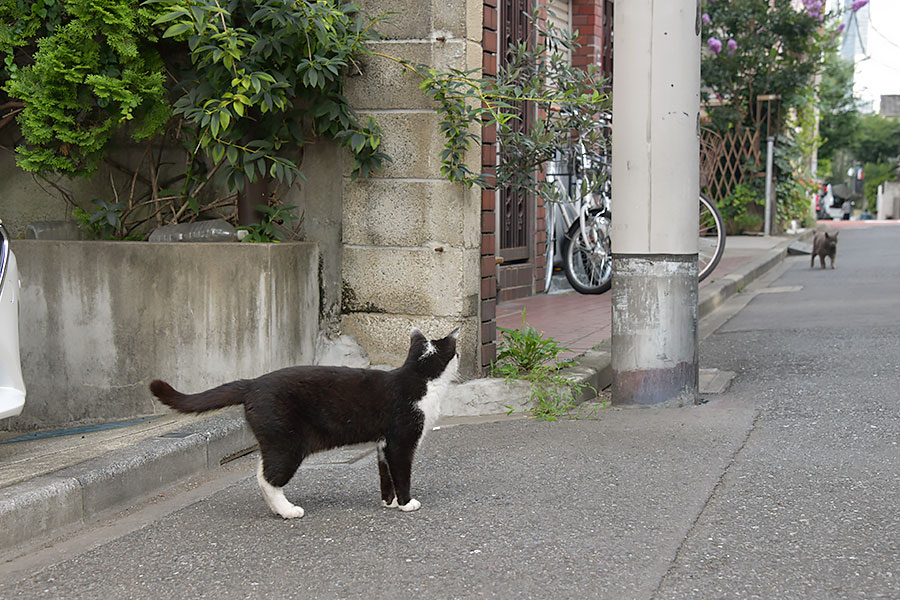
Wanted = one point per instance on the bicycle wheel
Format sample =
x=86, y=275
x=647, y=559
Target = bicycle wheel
x=588, y=266
x=711, y=243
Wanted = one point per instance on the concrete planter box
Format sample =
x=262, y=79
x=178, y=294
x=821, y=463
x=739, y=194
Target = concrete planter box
x=100, y=320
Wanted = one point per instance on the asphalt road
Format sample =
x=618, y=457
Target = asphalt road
x=810, y=507
x=785, y=486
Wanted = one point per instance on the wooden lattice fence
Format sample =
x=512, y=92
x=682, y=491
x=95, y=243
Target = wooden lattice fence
x=727, y=159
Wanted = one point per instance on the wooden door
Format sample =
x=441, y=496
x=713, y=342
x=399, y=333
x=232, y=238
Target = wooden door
x=516, y=226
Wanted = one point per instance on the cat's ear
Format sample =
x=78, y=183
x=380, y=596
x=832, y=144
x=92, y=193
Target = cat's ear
x=415, y=334
x=454, y=334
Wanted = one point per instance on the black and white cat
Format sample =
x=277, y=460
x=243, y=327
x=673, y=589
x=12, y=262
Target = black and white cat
x=298, y=411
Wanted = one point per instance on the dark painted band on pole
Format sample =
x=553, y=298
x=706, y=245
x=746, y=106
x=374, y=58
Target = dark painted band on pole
x=660, y=388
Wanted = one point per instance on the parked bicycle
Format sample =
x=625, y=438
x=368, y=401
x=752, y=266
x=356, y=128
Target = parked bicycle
x=578, y=223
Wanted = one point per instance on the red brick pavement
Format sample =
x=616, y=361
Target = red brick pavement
x=578, y=321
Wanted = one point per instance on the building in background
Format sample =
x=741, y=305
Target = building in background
x=890, y=105
x=871, y=41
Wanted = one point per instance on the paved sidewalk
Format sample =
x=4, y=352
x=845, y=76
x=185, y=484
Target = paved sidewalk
x=581, y=322
x=50, y=485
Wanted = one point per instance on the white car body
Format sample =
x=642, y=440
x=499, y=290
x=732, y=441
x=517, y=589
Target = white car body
x=12, y=386
x=835, y=213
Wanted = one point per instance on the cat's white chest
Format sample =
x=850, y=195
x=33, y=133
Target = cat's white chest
x=435, y=392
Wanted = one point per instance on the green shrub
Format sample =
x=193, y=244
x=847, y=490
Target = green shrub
x=96, y=72
x=793, y=195
x=268, y=77
x=741, y=209
x=747, y=222
x=275, y=224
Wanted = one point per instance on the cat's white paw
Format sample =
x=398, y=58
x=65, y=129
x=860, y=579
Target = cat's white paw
x=393, y=503
x=291, y=511
x=410, y=506
x=274, y=497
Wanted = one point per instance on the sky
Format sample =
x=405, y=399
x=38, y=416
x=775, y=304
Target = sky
x=878, y=70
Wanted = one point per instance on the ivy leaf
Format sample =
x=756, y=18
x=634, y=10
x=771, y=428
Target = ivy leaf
x=218, y=152
x=177, y=29
x=171, y=16
x=232, y=154
x=357, y=141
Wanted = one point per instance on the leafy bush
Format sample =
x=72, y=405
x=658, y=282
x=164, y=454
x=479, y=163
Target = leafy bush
x=741, y=209
x=794, y=200
x=251, y=84
x=778, y=47
x=82, y=71
x=103, y=224
x=757, y=47
x=268, y=77
x=793, y=190
x=273, y=226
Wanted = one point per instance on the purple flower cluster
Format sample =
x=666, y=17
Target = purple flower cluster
x=715, y=44
x=858, y=4
x=814, y=8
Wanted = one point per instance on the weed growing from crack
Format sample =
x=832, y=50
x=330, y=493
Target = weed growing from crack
x=525, y=354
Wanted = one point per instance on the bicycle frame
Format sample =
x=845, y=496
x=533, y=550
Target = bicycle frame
x=580, y=196
x=591, y=207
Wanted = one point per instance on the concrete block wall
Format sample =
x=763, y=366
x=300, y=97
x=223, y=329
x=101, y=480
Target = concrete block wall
x=888, y=201
x=26, y=198
x=411, y=240
x=99, y=320
x=319, y=201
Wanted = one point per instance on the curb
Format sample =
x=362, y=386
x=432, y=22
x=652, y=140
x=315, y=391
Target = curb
x=75, y=495
x=595, y=366
x=713, y=295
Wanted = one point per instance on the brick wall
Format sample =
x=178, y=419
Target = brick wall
x=489, y=199
x=593, y=21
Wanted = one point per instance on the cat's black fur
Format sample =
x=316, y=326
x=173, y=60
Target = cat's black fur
x=824, y=244
x=298, y=411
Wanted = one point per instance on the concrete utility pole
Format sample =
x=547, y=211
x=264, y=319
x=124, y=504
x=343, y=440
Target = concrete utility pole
x=770, y=199
x=655, y=165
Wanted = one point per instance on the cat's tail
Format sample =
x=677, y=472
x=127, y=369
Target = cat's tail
x=219, y=397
